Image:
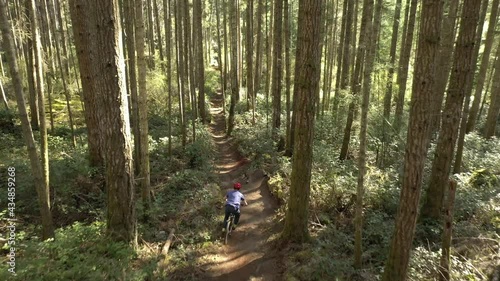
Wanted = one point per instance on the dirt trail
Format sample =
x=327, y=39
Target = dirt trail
x=246, y=257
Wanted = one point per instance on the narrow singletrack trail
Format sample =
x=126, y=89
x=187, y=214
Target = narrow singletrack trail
x=247, y=255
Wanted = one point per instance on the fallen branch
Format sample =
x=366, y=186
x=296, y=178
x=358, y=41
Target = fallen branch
x=147, y=245
x=166, y=247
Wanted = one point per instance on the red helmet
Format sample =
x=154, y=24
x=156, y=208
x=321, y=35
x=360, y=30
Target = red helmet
x=237, y=185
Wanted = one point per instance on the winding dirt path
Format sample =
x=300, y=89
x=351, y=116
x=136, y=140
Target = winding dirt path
x=247, y=255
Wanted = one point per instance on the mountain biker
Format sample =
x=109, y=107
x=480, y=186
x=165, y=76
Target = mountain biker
x=233, y=202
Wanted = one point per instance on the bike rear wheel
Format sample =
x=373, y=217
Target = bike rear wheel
x=229, y=227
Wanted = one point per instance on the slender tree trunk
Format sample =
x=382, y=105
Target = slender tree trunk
x=41, y=186
x=167, y=10
x=269, y=54
x=189, y=65
x=149, y=33
x=234, y=66
x=346, y=60
x=197, y=10
x=403, y=66
x=258, y=55
x=468, y=90
x=340, y=56
x=277, y=65
x=129, y=10
x=356, y=78
x=219, y=57
x=249, y=56
x=288, y=76
x=369, y=35
x=418, y=139
x=180, y=70
x=4, y=97
x=144, y=171
x=33, y=101
x=494, y=109
x=158, y=29
x=481, y=77
x=38, y=66
x=390, y=82
x=226, y=59
x=444, y=264
x=64, y=81
x=307, y=70
x=59, y=10
x=444, y=62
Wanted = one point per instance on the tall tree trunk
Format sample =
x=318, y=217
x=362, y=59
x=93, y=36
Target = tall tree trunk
x=59, y=10
x=340, y=57
x=129, y=10
x=149, y=33
x=92, y=116
x=234, y=66
x=369, y=35
x=226, y=58
x=258, y=55
x=108, y=78
x=277, y=65
x=180, y=69
x=288, y=76
x=493, y=111
x=167, y=10
x=417, y=141
x=144, y=172
x=448, y=29
x=249, y=56
x=269, y=54
x=481, y=77
x=219, y=57
x=189, y=65
x=460, y=76
x=468, y=90
x=307, y=70
x=38, y=66
x=403, y=65
x=63, y=80
x=33, y=101
x=356, y=78
x=158, y=29
x=199, y=57
x=42, y=188
x=390, y=82
x=346, y=52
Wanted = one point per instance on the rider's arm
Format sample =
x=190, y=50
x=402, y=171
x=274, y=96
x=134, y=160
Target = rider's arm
x=244, y=201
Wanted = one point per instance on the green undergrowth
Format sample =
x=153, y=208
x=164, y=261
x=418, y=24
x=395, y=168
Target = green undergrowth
x=81, y=251
x=329, y=256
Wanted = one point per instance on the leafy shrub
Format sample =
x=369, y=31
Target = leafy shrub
x=79, y=252
x=7, y=122
x=424, y=265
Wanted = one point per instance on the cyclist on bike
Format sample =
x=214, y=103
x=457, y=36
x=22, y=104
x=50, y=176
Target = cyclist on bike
x=233, y=202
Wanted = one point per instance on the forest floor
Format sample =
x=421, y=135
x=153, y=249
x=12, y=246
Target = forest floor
x=248, y=254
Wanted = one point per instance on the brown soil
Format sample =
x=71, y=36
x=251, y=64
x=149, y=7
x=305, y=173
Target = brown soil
x=247, y=256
